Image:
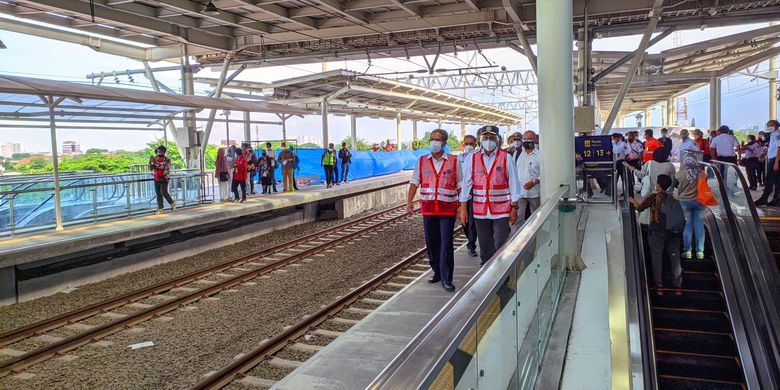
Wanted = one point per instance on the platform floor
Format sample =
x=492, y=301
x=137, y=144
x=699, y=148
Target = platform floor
x=354, y=359
x=30, y=247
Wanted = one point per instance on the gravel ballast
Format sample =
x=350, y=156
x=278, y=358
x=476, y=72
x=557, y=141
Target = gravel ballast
x=198, y=341
x=21, y=314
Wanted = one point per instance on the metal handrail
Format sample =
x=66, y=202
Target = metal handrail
x=640, y=282
x=42, y=178
x=97, y=184
x=417, y=365
x=762, y=278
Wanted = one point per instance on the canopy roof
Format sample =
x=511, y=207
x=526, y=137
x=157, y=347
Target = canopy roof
x=354, y=93
x=675, y=71
x=290, y=31
x=28, y=99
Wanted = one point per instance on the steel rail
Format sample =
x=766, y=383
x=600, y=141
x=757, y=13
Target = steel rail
x=28, y=359
x=241, y=366
x=18, y=334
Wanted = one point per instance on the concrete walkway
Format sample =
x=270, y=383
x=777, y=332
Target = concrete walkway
x=354, y=359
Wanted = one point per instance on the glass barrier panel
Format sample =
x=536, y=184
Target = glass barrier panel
x=461, y=371
x=497, y=342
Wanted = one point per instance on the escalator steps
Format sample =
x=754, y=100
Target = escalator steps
x=695, y=342
x=682, y=319
x=699, y=265
x=694, y=300
x=703, y=281
x=716, y=368
x=674, y=383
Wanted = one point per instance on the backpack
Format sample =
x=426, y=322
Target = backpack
x=673, y=214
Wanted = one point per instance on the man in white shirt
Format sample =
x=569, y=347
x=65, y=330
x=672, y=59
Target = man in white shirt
x=725, y=146
x=528, y=173
x=620, y=151
x=686, y=144
x=772, y=180
x=490, y=182
x=635, y=150
x=469, y=146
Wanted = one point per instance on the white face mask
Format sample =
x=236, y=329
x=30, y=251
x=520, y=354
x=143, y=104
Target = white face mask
x=436, y=146
x=489, y=145
x=469, y=148
x=517, y=144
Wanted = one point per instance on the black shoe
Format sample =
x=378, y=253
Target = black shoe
x=434, y=279
x=473, y=253
x=448, y=286
x=774, y=203
x=760, y=202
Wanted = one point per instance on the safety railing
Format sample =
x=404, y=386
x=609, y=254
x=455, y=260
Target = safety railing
x=595, y=181
x=754, y=272
x=493, y=333
x=93, y=197
x=638, y=304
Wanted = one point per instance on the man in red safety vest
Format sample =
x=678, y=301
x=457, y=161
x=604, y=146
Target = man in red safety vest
x=490, y=181
x=437, y=176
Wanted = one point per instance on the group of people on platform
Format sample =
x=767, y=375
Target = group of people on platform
x=237, y=168
x=489, y=189
x=667, y=218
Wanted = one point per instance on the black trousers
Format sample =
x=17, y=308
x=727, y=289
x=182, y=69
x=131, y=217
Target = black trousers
x=242, y=184
x=471, y=228
x=438, y=242
x=771, y=183
x=752, y=166
x=252, y=182
x=335, y=173
x=661, y=242
x=161, y=190
x=329, y=174
x=492, y=234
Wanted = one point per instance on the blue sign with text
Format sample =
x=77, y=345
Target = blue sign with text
x=594, y=148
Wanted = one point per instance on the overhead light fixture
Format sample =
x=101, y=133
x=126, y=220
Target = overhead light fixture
x=211, y=10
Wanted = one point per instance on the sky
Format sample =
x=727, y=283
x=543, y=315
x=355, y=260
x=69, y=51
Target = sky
x=744, y=99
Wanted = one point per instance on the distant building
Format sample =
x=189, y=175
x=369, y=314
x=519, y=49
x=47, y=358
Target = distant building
x=10, y=148
x=71, y=147
x=224, y=143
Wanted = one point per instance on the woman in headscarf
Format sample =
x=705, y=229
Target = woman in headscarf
x=222, y=173
x=659, y=165
x=688, y=194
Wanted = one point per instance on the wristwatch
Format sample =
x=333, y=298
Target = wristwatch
x=515, y=206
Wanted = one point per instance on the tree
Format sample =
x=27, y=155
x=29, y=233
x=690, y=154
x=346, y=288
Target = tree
x=452, y=141
x=95, y=151
x=362, y=144
x=19, y=156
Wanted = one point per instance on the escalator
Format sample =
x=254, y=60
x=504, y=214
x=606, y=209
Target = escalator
x=718, y=332
x=771, y=227
x=695, y=347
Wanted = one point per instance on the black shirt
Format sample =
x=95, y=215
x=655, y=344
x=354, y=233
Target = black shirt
x=345, y=156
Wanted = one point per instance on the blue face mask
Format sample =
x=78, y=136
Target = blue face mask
x=436, y=146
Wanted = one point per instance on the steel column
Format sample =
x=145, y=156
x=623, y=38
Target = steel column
x=353, y=131
x=192, y=149
x=670, y=117
x=56, y=165
x=647, y=117
x=247, y=128
x=414, y=129
x=773, y=98
x=284, y=128
x=398, y=131
x=217, y=94
x=462, y=130
x=324, y=113
x=714, y=103
x=638, y=56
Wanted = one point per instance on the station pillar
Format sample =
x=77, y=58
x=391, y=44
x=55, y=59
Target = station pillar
x=556, y=101
x=773, y=92
x=398, y=131
x=414, y=129
x=670, y=111
x=247, y=128
x=284, y=129
x=324, y=108
x=192, y=143
x=353, y=130
x=714, y=103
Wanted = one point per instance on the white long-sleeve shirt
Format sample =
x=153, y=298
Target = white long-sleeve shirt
x=528, y=168
x=488, y=160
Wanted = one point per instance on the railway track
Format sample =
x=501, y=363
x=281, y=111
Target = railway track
x=176, y=293
x=342, y=311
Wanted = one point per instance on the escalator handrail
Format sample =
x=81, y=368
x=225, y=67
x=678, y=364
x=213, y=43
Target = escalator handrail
x=768, y=306
x=650, y=377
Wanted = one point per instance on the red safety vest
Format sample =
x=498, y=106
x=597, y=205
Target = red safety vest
x=491, y=188
x=438, y=191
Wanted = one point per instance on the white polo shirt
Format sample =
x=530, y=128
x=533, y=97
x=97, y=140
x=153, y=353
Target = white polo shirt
x=528, y=169
x=620, y=150
x=774, y=143
x=437, y=164
x=687, y=144
x=725, y=145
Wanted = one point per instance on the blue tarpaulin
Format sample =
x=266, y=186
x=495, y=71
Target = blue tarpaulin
x=364, y=164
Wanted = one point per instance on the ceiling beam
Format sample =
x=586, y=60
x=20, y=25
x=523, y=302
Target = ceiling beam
x=112, y=15
x=338, y=7
x=411, y=9
x=224, y=17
